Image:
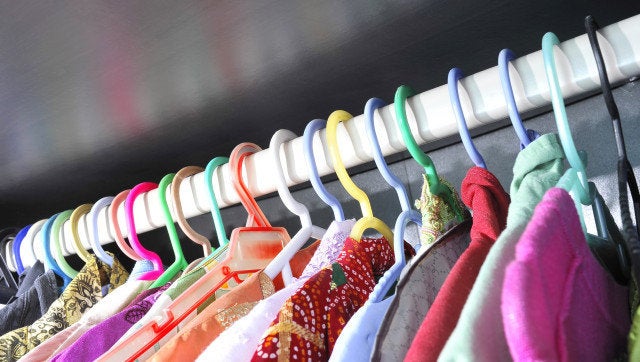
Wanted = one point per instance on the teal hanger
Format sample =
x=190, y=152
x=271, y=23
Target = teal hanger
x=180, y=263
x=608, y=247
x=223, y=240
x=435, y=186
x=49, y=260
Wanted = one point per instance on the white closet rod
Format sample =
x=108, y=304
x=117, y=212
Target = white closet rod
x=483, y=103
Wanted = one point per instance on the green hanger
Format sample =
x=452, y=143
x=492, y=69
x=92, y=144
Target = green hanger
x=57, y=247
x=435, y=186
x=180, y=263
x=215, y=209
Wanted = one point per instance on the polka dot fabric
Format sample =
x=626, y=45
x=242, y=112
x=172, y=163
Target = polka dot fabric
x=311, y=320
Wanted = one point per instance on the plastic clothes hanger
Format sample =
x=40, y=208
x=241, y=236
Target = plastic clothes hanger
x=158, y=269
x=177, y=208
x=526, y=136
x=48, y=257
x=27, y=248
x=368, y=221
x=314, y=177
x=180, y=262
x=251, y=248
x=95, y=239
x=19, y=237
x=223, y=240
x=8, y=253
x=113, y=215
x=455, y=74
x=626, y=176
x=307, y=231
x=9, y=280
x=575, y=181
x=74, y=219
x=393, y=274
x=56, y=229
x=435, y=186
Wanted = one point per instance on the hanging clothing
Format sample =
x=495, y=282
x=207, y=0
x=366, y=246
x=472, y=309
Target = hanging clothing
x=111, y=304
x=479, y=334
x=83, y=292
x=309, y=323
x=356, y=341
x=634, y=338
x=558, y=303
x=483, y=194
x=36, y=293
x=101, y=337
x=190, y=341
x=417, y=288
x=232, y=344
x=437, y=215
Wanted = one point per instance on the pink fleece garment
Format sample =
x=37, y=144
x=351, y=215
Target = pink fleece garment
x=558, y=303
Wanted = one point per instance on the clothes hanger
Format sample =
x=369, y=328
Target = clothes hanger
x=19, y=237
x=223, y=240
x=526, y=136
x=626, y=176
x=158, y=269
x=314, y=177
x=575, y=179
x=180, y=262
x=27, y=249
x=455, y=74
x=56, y=229
x=95, y=240
x=407, y=215
x=8, y=252
x=308, y=230
x=113, y=215
x=368, y=221
x=435, y=186
x=177, y=208
x=9, y=280
x=74, y=219
x=251, y=248
x=48, y=256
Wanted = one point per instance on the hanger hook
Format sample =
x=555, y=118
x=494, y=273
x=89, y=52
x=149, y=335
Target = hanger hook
x=526, y=136
x=435, y=186
x=332, y=140
x=30, y=239
x=177, y=208
x=95, y=240
x=133, y=236
x=215, y=208
x=238, y=156
x=56, y=230
x=378, y=157
x=548, y=42
x=277, y=141
x=455, y=74
x=314, y=177
x=75, y=220
x=113, y=215
x=48, y=256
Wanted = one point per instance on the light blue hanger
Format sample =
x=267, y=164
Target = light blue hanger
x=95, y=241
x=455, y=75
x=48, y=256
x=314, y=177
x=526, y=136
x=16, y=247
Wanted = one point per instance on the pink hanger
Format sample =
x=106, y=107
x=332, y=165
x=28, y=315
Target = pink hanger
x=133, y=236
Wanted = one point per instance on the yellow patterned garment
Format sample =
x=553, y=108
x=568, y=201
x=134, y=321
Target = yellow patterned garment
x=83, y=292
x=437, y=215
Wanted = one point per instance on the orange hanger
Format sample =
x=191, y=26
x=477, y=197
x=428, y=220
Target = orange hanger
x=251, y=248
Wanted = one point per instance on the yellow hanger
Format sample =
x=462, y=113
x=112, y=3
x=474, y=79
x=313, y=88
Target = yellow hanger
x=368, y=221
x=74, y=219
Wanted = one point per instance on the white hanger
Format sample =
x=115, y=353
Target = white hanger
x=27, y=248
x=308, y=230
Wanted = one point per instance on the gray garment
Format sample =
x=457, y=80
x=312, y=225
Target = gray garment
x=417, y=288
x=30, y=305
